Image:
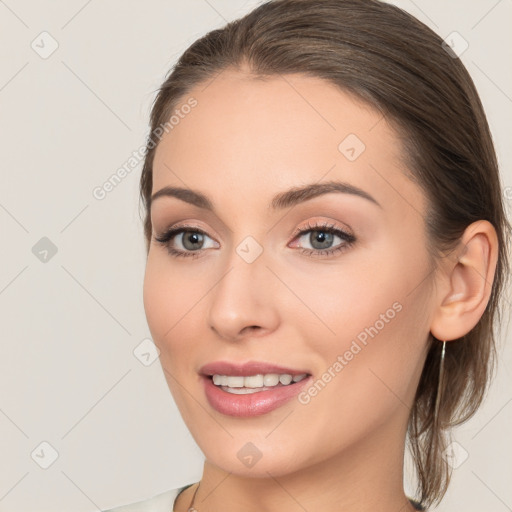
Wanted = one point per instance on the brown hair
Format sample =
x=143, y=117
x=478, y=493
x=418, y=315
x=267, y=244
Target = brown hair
x=397, y=64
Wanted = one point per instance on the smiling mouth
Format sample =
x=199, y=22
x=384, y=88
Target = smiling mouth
x=251, y=389
x=244, y=385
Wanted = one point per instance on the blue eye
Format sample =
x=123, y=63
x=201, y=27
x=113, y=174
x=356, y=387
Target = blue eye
x=192, y=240
x=321, y=237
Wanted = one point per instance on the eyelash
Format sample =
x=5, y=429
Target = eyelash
x=348, y=238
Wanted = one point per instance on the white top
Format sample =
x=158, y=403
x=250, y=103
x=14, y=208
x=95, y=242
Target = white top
x=163, y=502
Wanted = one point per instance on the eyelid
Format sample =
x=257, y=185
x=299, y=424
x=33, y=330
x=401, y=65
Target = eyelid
x=347, y=237
x=182, y=228
x=322, y=224
x=345, y=234
x=179, y=227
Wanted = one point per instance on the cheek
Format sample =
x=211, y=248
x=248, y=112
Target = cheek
x=372, y=292
x=158, y=300
x=170, y=304
x=375, y=317
x=347, y=300
x=169, y=307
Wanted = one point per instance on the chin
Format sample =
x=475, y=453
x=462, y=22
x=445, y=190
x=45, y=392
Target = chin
x=261, y=466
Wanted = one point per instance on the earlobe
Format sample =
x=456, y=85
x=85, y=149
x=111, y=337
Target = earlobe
x=467, y=278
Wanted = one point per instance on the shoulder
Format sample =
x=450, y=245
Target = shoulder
x=163, y=502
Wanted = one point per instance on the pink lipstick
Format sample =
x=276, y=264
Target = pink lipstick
x=252, y=388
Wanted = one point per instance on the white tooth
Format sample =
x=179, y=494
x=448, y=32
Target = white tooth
x=256, y=381
x=285, y=379
x=271, y=379
x=242, y=391
x=236, y=382
x=253, y=381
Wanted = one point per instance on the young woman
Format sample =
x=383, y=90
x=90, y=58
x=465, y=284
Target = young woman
x=326, y=254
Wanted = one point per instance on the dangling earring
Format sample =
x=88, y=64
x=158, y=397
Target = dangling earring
x=439, y=384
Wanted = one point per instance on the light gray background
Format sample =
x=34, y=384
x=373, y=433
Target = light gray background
x=69, y=326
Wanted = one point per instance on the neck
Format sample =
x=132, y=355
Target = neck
x=366, y=477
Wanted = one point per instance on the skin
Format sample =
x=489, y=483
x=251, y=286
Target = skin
x=245, y=141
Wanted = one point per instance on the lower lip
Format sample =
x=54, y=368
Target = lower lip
x=252, y=404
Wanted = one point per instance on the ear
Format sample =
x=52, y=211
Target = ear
x=464, y=282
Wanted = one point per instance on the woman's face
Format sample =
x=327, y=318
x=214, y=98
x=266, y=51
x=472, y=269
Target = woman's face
x=267, y=280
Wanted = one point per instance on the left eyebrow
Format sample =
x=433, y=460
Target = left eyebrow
x=298, y=195
x=282, y=200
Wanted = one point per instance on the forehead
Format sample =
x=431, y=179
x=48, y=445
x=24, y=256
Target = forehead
x=257, y=133
x=282, y=111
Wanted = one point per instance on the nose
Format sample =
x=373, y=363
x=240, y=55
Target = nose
x=244, y=302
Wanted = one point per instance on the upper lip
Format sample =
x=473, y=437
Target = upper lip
x=245, y=369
